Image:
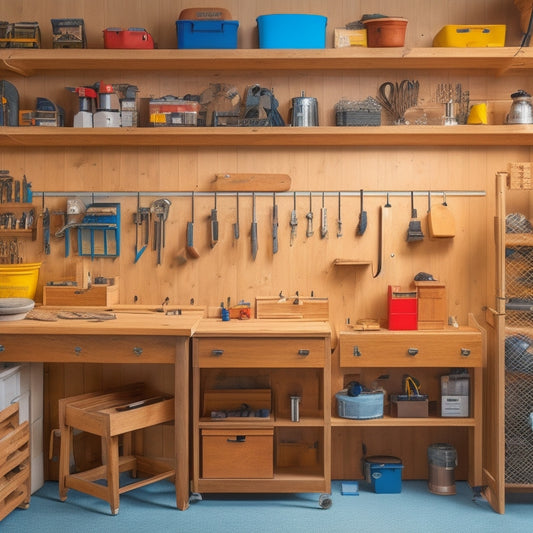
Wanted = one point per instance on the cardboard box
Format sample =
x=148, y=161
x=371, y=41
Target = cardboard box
x=238, y=453
x=345, y=38
x=403, y=407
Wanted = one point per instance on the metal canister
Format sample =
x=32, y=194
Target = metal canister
x=304, y=111
x=295, y=408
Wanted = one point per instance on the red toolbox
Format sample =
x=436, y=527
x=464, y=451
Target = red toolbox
x=402, y=309
x=132, y=38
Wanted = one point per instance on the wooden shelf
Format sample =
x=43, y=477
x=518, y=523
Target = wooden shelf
x=351, y=262
x=518, y=239
x=389, y=421
x=506, y=60
x=466, y=136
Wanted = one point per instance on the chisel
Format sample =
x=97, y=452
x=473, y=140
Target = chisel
x=191, y=250
x=323, y=220
x=214, y=224
x=275, y=225
x=339, y=220
x=294, y=221
x=253, y=231
x=309, y=232
x=236, y=224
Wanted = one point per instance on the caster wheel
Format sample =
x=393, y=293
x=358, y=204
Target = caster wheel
x=195, y=497
x=325, y=501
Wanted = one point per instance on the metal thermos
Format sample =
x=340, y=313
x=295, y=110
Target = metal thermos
x=295, y=408
x=304, y=111
x=521, y=111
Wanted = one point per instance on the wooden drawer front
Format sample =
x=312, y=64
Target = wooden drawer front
x=233, y=454
x=88, y=348
x=260, y=352
x=421, y=349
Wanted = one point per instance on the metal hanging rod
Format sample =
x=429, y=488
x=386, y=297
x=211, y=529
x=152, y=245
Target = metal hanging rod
x=188, y=194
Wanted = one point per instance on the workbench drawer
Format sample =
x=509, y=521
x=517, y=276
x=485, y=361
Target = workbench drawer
x=461, y=348
x=238, y=453
x=88, y=348
x=261, y=352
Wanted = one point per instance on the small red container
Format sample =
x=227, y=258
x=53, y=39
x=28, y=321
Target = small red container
x=403, y=307
x=132, y=38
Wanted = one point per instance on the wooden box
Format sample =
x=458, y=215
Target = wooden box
x=15, y=476
x=238, y=453
x=293, y=307
x=99, y=295
x=402, y=408
x=432, y=305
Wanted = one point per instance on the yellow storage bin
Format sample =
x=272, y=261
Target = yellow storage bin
x=468, y=36
x=19, y=281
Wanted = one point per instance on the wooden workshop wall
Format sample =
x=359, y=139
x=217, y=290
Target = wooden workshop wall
x=465, y=263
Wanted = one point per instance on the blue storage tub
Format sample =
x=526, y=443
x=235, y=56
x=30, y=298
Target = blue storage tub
x=292, y=31
x=207, y=33
x=384, y=473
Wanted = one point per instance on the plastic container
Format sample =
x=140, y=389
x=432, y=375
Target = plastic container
x=385, y=32
x=362, y=407
x=292, y=31
x=132, y=38
x=462, y=36
x=384, y=473
x=207, y=34
x=19, y=281
x=442, y=460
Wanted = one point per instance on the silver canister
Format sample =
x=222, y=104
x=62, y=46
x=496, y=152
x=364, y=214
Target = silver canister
x=295, y=408
x=521, y=111
x=304, y=111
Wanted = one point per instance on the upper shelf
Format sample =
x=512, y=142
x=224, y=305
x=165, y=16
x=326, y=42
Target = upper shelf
x=467, y=136
x=27, y=62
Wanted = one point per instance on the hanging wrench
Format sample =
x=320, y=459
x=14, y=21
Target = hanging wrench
x=159, y=209
x=309, y=232
x=294, y=221
x=323, y=220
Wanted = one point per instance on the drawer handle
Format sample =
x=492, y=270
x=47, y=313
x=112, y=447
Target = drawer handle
x=465, y=352
x=2, y=348
x=356, y=352
x=238, y=438
x=412, y=351
x=77, y=350
x=217, y=353
x=137, y=350
x=305, y=353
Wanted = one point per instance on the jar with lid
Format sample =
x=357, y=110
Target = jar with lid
x=521, y=111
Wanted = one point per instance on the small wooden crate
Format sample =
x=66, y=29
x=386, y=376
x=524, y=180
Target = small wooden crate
x=238, y=453
x=295, y=307
x=432, y=305
x=15, y=476
x=99, y=295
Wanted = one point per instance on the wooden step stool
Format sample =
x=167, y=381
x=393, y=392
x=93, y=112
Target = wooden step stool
x=113, y=414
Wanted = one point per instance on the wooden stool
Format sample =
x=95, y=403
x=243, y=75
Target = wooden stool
x=113, y=414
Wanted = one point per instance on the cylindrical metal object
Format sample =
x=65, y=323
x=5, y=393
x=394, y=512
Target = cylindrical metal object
x=304, y=111
x=442, y=460
x=295, y=408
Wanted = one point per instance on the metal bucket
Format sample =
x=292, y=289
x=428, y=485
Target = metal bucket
x=304, y=111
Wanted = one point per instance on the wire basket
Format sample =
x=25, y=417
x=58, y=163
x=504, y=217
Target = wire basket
x=362, y=407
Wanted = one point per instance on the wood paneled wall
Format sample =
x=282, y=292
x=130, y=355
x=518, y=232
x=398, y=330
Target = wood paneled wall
x=465, y=263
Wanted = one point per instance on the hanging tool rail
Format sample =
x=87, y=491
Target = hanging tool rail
x=302, y=193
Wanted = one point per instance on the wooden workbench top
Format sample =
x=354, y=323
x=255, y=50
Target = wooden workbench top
x=126, y=323
x=210, y=327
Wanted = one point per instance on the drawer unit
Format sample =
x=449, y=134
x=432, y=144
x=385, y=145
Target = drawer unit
x=456, y=348
x=237, y=453
x=260, y=352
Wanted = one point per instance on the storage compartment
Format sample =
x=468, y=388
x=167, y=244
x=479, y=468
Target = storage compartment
x=432, y=305
x=403, y=406
x=9, y=384
x=238, y=453
x=292, y=31
x=455, y=395
x=403, y=309
x=100, y=294
x=19, y=281
x=471, y=36
x=253, y=404
x=384, y=473
x=132, y=38
x=207, y=33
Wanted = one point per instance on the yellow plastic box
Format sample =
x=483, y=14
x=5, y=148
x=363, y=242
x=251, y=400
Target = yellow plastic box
x=468, y=36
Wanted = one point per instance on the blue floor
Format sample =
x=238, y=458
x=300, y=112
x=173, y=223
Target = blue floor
x=152, y=509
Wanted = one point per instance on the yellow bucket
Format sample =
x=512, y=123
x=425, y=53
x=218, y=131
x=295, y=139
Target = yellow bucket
x=19, y=281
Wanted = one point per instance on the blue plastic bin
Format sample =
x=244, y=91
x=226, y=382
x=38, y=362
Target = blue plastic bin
x=292, y=31
x=207, y=33
x=384, y=473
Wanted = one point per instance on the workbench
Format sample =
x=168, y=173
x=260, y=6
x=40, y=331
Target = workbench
x=131, y=338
